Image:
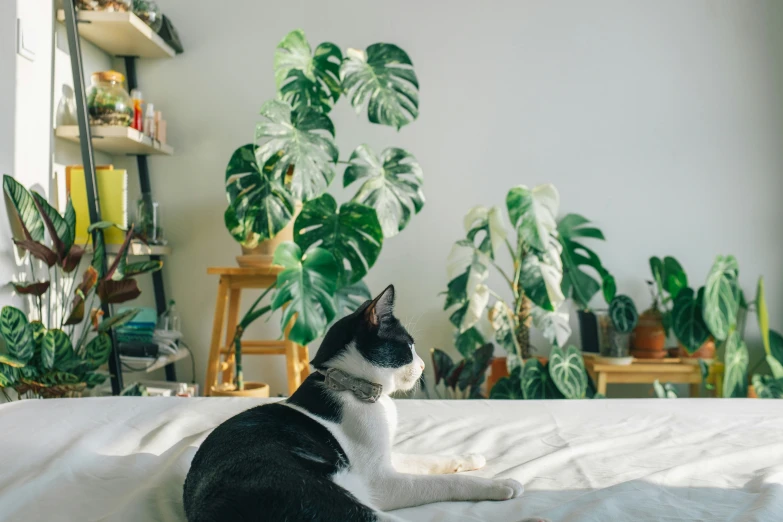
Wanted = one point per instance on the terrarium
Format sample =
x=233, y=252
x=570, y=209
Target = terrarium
x=108, y=101
x=149, y=12
x=120, y=6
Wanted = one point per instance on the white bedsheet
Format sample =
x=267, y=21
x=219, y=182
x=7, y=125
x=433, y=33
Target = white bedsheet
x=125, y=459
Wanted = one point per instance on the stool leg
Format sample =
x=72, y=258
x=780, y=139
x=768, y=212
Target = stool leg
x=601, y=385
x=213, y=363
x=234, y=300
x=695, y=390
x=304, y=359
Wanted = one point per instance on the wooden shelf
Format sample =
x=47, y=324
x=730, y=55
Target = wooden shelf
x=137, y=248
x=120, y=34
x=145, y=364
x=117, y=140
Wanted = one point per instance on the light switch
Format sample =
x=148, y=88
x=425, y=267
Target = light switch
x=24, y=46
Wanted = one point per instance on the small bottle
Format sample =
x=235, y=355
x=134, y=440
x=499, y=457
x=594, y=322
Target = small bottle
x=149, y=121
x=158, y=118
x=138, y=115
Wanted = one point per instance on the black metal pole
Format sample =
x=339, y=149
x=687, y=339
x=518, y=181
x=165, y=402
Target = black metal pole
x=93, y=200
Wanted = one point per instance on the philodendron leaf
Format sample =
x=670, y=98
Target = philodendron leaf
x=567, y=370
x=541, y=282
x=307, y=285
x=25, y=208
x=304, y=79
x=687, y=320
x=674, y=277
x=577, y=283
x=475, y=370
x=392, y=187
x=503, y=323
x=16, y=333
x=489, y=222
x=623, y=314
x=468, y=341
x=348, y=298
x=532, y=213
x=763, y=315
x=554, y=326
x=62, y=236
x=382, y=77
x=506, y=389
x=721, y=297
x=302, y=140
x=767, y=387
x=351, y=235
x=467, y=270
x=535, y=380
x=56, y=349
x=735, y=378
x=259, y=206
x=442, y=365
x=664, y=391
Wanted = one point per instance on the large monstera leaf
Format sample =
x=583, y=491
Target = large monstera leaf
x=259, y=206
x=302, y=140
x=541, y=279
x=306, y=79
x=353, y=234
x=25, y=208
x=554, y=326
x=735, y=379
x=687, y=320
x=578, y=284
x=307, y=285
x=489, y=223
x=392, y=186
x=382, y=77
x=567, y=370
x=348, y=298
x=467, y=269
x=532, y=213
x=17, y=334
x=721, y=297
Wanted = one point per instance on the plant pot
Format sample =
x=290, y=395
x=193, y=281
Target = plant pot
x=706, y=351
x=752, y=392
x=264, y=252
x=588, y=329
x=611, y=343
x=649, y=334
x=497, y=370
x=252, y=389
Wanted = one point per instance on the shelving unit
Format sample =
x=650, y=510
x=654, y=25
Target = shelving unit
x=137, y=248
x=124, y=35
x=161, y=362
x=119, y=141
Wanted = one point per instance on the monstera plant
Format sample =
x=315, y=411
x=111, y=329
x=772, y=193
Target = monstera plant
x=59, y=350
x=294, y=161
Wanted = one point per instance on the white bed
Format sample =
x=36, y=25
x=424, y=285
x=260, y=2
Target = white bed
x=125, y=459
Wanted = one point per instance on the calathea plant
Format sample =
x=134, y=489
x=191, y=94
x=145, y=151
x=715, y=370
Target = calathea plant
x=59, y=351
x=294, y=161
x=461, y=380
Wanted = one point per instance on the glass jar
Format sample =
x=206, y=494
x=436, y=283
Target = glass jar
x=116, y=6
x=149, y=12
x=611, y=343
x=147, y=222
x=108, y=101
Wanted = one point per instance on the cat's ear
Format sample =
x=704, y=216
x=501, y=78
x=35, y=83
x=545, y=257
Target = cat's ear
x=380, y=307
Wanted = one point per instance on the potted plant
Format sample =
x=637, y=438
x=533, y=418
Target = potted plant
x=461, y=380
x=58, y=351
x=294, y=160
x=615, y=331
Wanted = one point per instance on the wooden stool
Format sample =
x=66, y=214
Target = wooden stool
x=645, y=371
x=232, y=281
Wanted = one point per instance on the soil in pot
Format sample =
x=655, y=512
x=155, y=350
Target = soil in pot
x=252, y=389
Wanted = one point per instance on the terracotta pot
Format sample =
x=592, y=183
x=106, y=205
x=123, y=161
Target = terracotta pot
x=644, y=354
x=265, y=251
x=752, y=393
x=252, y=389
x=649, y=334
x=497, y=370
x=705, y=351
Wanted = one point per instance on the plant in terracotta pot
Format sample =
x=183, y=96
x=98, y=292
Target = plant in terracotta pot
x=329, y=248
x=649, y=336
x=461, y=380
x=57, y=350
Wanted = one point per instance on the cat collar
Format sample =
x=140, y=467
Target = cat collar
x=364, y=390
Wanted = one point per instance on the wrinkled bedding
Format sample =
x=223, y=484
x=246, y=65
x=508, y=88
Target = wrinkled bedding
x=125, y=459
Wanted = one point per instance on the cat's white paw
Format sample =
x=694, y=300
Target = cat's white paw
x=468, y=462
x=508, y=489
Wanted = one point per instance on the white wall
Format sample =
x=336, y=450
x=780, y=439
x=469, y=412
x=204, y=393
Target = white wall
x=661, y=121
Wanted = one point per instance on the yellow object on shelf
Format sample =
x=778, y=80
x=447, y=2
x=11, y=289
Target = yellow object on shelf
x=113, y=194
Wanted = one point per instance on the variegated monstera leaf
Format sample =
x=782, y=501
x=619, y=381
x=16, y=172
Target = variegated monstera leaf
x=721, y=297
x=486, y=224
x=467, y=294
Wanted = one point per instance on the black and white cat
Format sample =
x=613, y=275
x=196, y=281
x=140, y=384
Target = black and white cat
x=325, y=453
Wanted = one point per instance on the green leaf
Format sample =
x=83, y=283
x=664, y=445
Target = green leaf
x=58, y=378
x=767, y=387
x=489, y=222
x=304, y=79
x=307, y=285
x=98, y=255
x=142, y=267
x=775, y=366
x=56, y=350
x=776, y=346
x=623, y=314
x=392, y=187
x=93, y=379
x=673, y=276
x=506, y=389
x=353, y=234
x=442, y=365
x=503, y=324
x=554, y=326
x=687, y=321
x=25, y=208
x=349, y=298
x=541, y=282
x=735, y=378
x=97, y=351
x=382, y=77
x=468, y=341
x=302, y=140
x=118, y=319
x=475, y=370
x=11, y=361
x=62, y=236
x=259, y=206
x=16, y=333
x=535, y=380
x=763, y=316
x=721, y=297
x=100, y=225
x=532, y=214
x=568, y=373
x=467, y=269
x=578, y=284
x=8, y=375
x=664, y=391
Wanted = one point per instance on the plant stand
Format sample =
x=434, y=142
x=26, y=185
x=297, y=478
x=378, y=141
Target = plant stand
x=645, y=371
x=229, y=296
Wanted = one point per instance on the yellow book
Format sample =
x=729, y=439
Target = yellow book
x=113, y=194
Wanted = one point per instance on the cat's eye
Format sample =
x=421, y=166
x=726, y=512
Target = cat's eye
x=412, y=346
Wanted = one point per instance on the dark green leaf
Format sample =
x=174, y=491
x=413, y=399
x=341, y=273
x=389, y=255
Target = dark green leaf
x=623, y=313
x=674, y=276
x=468, y=341
x=578, y=284
x=541, y=282
x=776, y=346
x=142, y=267
x=721, y=297
x=62, y=237
x=93, y=379
x=442, y=365
x=687, y=321
x=57, y=350
x=506, y=389
x=567, y=370
x=349, y=298
x=100, y=225
x=306, y=80
x=735, y=378
x=767, y=387
x=353, y=234
x=307, y=285
x=25, y=209
x=98, y=350
x=16, y=333
x=11, y=361
x=475, y=369
x=534, y=381
x=304, y=141
x=58, y=378
x=393, y=185
x=8, y=375
x=382, y=77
